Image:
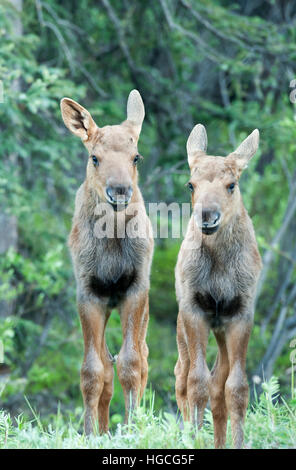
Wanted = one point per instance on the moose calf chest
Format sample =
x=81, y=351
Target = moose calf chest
x=217, y=311
x=112, y=290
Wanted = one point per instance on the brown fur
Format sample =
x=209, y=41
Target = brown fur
x=110, y=272
x=215, y=285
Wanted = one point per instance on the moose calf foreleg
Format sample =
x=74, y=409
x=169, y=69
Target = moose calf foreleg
x=92, y=372
x=198, y=380
x=181, y=370
x=129, y=361
x=107, y=391
x=219, y=375
x=236, y=387
x=144, y=348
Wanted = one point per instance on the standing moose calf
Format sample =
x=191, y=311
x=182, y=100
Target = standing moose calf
x=216, y=275
x=110, y=272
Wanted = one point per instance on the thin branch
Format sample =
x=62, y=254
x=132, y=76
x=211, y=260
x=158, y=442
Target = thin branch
x=158, y=174
x=60, y=38
x=279, y=296
x=208, y=51
x=285, y=168
x=226, y=103
x=275, y=347
x=45, y=331
x=60, y=21
x=73, y=64
x=210, y=27
x=269, y=254
x=120, y=34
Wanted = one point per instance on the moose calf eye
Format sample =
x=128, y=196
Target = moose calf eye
x=136, y=159
x=190, y=187
x=231, y=187
x=95, y=160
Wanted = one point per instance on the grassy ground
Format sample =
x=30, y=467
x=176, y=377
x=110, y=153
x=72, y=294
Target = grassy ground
x=270, y=423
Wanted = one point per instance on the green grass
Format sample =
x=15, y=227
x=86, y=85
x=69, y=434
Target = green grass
x=270, y=423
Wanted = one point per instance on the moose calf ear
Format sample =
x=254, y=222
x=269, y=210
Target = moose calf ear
x=246, y=150
x=77, y=119
x=197, y=143
x=135, y=111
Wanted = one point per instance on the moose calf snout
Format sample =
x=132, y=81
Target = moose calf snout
x=207, y=217
x=210, y=217
x=119, y=194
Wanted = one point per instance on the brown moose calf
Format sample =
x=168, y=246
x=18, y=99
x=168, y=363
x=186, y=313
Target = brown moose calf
x=216, y=275
x=111, y=271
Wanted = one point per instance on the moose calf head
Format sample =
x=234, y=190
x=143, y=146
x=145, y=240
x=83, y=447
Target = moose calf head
x=214, y=180
x=113, y=152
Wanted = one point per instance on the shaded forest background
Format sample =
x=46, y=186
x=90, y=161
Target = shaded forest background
x=225, y=64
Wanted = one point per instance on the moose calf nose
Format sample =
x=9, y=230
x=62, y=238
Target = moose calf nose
x=119, y=193
x=210, y=217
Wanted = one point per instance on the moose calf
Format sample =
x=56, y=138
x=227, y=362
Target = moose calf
x=110, y=272
x=216, y=274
